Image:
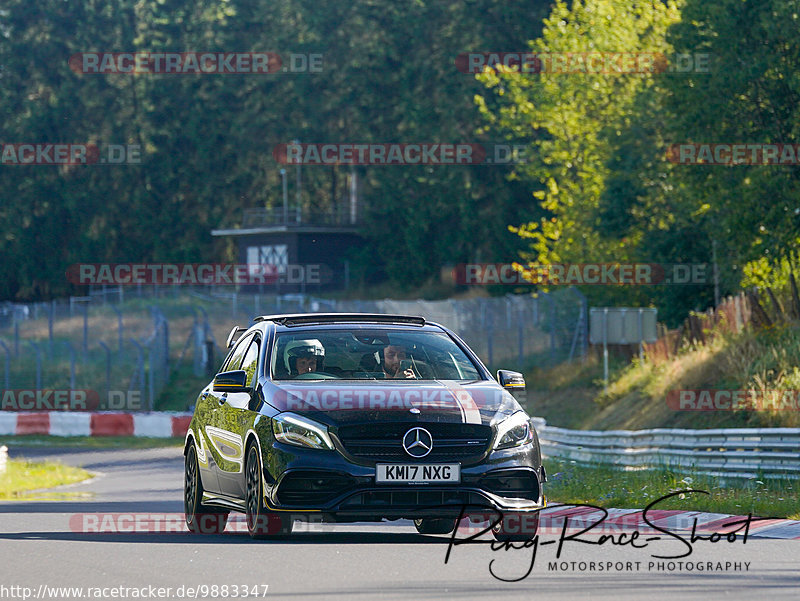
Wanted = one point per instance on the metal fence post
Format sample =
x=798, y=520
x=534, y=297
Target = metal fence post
x=208, y=341
x=605, y=350
x=199, y=366
x=71, y=365
x=120, y=328
x=490, y=339
x=151, y=375
x=552, y=326
x=165, y=324
x=520, y=336
x=8, y=363
x=138, y=375
x=205, y=315
x=85, y=330
x=50, y=318
x=38, y=355
x=585, y=332
x=108, y=369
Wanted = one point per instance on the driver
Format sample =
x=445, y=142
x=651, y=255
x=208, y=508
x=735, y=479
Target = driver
x=303, y=356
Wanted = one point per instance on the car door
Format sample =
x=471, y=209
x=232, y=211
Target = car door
x=224, y=445
x=232, y=419
x=205, y=409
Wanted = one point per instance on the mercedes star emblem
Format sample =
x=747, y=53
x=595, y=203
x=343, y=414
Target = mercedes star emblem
x=418, y=442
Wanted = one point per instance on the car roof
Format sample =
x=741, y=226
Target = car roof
x=302, y=319
x=286, y=322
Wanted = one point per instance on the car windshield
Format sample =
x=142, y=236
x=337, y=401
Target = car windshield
x=369, y=353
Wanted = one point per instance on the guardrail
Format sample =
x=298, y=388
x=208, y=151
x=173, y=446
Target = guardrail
x=726, y=452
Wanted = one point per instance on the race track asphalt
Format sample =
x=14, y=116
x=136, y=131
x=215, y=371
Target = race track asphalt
x=50, y=543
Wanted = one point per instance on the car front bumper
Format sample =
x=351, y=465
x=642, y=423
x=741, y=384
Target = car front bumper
x=325, y=482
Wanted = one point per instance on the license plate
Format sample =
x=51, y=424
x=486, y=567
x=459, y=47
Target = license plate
x=417, y=473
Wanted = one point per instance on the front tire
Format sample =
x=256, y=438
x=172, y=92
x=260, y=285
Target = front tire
x=200, y=519
x=516, y=527
x=435, y=525
x=261, y=523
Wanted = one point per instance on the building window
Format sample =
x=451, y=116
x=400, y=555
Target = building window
x=273, y=255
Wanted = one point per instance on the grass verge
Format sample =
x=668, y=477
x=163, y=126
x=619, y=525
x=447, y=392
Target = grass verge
x=22, y=476
x=609, y=487
x=98, y=442
x=758, y=361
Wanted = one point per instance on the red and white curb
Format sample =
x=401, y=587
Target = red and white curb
x=622, y=520
x=70, y=423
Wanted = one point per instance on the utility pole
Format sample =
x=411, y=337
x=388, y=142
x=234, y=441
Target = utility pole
x=285, y=197
x=299, y=186
x=716, y=272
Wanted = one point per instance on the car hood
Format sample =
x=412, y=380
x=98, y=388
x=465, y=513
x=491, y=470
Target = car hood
x=479, y=402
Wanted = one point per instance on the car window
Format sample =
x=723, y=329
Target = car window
x=234, y=360
x=250, y=361
x=375, y=354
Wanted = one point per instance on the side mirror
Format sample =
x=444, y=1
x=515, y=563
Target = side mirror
x=231, y=381
x=514, y=382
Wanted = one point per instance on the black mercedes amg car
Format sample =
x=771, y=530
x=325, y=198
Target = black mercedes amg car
x=358, y=417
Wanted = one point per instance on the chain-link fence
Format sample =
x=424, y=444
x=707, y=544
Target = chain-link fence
x=508, y=330
x=73, y=354
x=118, y=350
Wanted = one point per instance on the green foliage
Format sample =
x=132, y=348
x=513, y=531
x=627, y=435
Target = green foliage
x=763, y=273
x=606, y=486
x=599, y=141
x=388, y=76
x=751, y=95
x=23, y=476
x=574, y=121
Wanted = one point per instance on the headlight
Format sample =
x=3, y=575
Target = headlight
x=514, y=432
x=301, y=432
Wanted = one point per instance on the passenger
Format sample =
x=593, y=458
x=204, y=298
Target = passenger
x=303, y=356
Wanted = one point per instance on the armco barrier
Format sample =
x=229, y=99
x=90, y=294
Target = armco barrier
x=68, y=423
x=731, y=452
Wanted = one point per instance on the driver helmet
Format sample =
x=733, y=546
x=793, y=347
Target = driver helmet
x=302, y=348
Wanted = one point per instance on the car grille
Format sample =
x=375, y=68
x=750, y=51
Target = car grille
x=311, y=487
x=384, y=442
x=411, y=499
x=520, y=484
